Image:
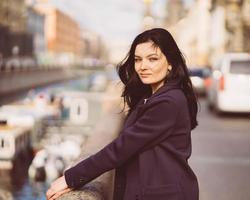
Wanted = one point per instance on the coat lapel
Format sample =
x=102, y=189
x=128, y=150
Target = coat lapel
x=137, y=112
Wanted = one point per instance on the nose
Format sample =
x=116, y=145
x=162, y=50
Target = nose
x=143, y=65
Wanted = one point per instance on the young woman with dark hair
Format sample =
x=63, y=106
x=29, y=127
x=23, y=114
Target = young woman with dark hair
x=151, y=153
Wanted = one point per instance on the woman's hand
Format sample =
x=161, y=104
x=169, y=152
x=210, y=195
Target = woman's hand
x=57, y=188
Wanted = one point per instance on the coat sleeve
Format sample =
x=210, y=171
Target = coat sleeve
x=159, y=118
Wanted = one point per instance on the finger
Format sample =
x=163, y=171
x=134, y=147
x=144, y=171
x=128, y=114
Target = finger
x=58, y=194
x=49, y=193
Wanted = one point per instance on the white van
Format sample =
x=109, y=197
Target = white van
x=230, y=84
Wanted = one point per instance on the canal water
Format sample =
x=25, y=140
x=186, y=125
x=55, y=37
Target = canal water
x=15, y=184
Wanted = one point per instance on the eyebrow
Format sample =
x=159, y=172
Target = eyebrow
x=153, y=54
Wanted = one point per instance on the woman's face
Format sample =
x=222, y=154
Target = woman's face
x=151, y=65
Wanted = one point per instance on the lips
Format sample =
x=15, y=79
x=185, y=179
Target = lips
x=144, y=75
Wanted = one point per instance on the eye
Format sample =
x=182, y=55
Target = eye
x=137, y=59
x=153, y=59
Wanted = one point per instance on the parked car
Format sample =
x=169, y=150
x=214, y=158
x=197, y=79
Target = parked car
x=200, y=77
x=230, y=84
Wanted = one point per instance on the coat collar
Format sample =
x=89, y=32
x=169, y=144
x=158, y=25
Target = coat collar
x=170, y=84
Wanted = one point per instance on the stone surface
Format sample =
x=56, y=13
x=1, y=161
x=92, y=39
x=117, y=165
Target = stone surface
x=103, y=133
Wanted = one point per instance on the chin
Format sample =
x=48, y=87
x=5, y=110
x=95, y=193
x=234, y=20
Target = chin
x=146, y=82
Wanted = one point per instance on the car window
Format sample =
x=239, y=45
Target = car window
x=195, y=72
x=240, y=67
x=203, y=73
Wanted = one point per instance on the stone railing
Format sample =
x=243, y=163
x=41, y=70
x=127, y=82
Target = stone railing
x=104, y=132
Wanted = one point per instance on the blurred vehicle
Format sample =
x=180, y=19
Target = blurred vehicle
x=200, y=77
x=12, y=63
x=18, y=63
x=230, y=84
x=28, y=62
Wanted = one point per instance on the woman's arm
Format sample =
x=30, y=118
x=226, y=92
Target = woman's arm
x=159, y=118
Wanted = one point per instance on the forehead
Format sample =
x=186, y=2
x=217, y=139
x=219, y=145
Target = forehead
x=147, y=48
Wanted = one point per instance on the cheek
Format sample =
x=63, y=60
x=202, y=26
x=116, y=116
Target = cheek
x=137, y=67
x=136, y=70
x=160, y=72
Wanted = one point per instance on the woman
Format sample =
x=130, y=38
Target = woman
x=151, y=153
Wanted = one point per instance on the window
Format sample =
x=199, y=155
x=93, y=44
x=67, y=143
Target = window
x=240, y=67
x=2, y=143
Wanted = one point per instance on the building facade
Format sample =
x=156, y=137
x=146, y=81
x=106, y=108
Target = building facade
x=35, y=26
x=13, y=15
x=62, y=32
x=234, y=18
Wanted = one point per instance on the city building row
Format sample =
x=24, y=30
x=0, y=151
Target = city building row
x=37, y=30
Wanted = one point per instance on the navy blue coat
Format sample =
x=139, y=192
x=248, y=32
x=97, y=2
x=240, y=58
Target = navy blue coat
x=150, y=154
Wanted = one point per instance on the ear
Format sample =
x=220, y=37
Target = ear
x=169, y=67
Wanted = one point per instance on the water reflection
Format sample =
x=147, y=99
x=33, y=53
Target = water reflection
x=17, y=183
x=31, y=191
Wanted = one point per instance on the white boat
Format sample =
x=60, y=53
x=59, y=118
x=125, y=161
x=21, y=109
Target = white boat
x=13, y=141
x=31, y=115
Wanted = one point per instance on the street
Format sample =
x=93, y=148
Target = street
x=221, y=155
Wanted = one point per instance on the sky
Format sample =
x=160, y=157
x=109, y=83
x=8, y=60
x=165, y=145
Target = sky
x=116, y=21
x=112, y=19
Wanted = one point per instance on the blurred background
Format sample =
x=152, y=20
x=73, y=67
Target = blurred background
x=58, y=83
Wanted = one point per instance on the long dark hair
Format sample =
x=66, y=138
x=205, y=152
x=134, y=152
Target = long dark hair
x=134, y=89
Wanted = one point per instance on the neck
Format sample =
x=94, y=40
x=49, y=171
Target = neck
x=156, y=86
